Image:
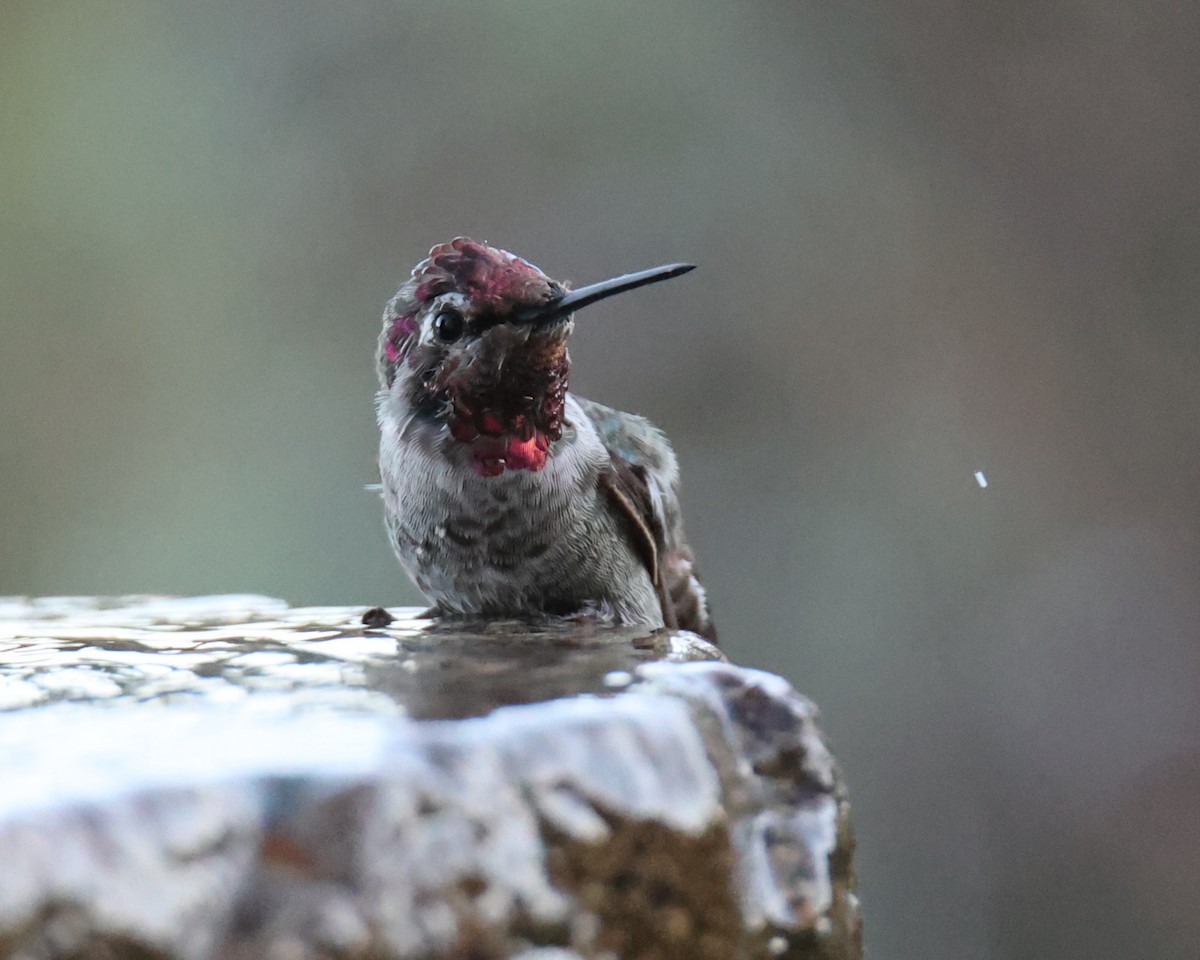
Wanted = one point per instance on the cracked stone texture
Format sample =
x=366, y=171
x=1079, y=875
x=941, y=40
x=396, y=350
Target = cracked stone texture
x=231, y=778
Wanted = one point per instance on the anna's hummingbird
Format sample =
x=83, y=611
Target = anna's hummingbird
x=505, y=494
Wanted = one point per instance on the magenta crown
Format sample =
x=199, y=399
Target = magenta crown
x=499, y=283
x=487, y=276
x=483, y=274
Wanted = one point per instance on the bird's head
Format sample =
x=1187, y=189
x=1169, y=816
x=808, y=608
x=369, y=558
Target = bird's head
x=476, y=340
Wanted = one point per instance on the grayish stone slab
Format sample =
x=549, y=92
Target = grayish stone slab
x=229, y=778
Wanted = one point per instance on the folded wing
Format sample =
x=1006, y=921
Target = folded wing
x=643, y=485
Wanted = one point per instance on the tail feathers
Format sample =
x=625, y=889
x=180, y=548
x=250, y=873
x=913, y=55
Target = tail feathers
x=689, y=602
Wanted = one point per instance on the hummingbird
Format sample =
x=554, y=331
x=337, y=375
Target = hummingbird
x=505, y=494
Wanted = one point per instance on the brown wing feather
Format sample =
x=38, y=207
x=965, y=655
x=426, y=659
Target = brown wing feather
x=670, y=568
x=630, y=494
x=643, y=484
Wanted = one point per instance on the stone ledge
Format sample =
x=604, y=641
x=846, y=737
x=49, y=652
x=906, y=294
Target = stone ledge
x=230, y=778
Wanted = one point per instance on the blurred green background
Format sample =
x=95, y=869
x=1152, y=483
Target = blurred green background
x=935, y=238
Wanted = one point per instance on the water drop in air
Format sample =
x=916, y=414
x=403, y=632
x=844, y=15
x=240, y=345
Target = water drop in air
x=981, y=479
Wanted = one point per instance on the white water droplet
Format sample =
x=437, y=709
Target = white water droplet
x=618, y=678
x=981, y=479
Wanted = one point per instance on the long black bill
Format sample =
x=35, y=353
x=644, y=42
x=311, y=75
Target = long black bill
x=584, y=296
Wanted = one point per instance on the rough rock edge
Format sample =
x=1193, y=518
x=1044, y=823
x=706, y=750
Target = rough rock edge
x=785, y=827
x=785, y=794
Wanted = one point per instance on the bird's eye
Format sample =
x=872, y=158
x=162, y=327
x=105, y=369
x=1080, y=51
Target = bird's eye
x=448, y=326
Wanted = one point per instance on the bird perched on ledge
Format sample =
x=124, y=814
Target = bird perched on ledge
x=506, y=494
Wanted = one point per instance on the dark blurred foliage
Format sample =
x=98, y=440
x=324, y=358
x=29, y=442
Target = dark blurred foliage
x=935, y=238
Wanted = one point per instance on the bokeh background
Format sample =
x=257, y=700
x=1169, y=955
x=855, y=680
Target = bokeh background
x=936, y=238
